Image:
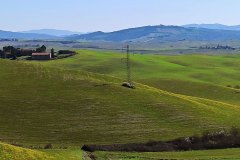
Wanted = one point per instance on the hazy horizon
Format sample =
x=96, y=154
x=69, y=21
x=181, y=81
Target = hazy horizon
x=92, y=15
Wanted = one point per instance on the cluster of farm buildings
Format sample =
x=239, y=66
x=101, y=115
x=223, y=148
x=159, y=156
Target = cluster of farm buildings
x=10, y=52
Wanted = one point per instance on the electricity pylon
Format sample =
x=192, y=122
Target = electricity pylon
x=128, y=83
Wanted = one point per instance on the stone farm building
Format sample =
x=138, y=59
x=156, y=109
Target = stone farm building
x=41, y=56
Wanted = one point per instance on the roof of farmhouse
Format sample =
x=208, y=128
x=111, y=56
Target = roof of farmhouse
x=41, y=54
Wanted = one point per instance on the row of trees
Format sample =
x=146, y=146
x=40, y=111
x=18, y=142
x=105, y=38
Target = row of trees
x=218, y=47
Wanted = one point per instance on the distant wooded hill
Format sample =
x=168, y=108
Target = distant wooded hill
x=160, y=34
x=149, y=34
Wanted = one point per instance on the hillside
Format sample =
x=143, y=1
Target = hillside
x=146, y=34
x=160, y=34
x=63, y=103
x=183, y=74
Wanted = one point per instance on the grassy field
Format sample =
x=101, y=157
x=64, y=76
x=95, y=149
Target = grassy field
x=79, y=100
x=48, y=105
x=203, y=76
x=227, y=154
x=64, y=107
x=9, y=152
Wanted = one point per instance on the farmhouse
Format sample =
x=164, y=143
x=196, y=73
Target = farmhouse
x=41, y=56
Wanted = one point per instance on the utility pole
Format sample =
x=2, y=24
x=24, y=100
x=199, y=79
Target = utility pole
x=128, y=83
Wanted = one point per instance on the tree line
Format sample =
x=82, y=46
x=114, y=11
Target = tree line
x=218, y=47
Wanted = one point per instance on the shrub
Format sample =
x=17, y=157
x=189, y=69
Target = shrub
x=234, y=132
x=209, y=140
x=48, y=146
x=237, y=87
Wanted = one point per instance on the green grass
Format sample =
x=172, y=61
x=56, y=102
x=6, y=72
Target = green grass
x=65, y=154
x=61, y=102
x=227, y=154
x=203, y=76
x=9, y=152
x=79, y=100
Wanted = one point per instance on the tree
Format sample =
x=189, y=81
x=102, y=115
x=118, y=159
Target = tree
x=52, y=53
x=8, y=49
x=1, y=54
x=10, y=52
x=41, y=49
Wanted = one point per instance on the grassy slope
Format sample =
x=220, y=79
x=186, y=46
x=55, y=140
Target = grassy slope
x=50, y=104
x=46, y=105
x=203, y=76
x=9, y=152
x=227, y=154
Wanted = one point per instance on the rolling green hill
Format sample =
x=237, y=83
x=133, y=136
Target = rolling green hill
x=61, y=102
x=204, y=76
x=79, y=100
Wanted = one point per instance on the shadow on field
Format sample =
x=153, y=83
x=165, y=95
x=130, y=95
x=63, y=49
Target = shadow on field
x=210, y=140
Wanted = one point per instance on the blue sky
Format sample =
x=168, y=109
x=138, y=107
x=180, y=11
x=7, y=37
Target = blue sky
x=110, y=15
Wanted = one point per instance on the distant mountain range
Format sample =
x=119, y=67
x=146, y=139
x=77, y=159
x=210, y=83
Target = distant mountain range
x=160, y=34
x=53, y=32
x=18, y=35
x=213, y=26
x=146, y=34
